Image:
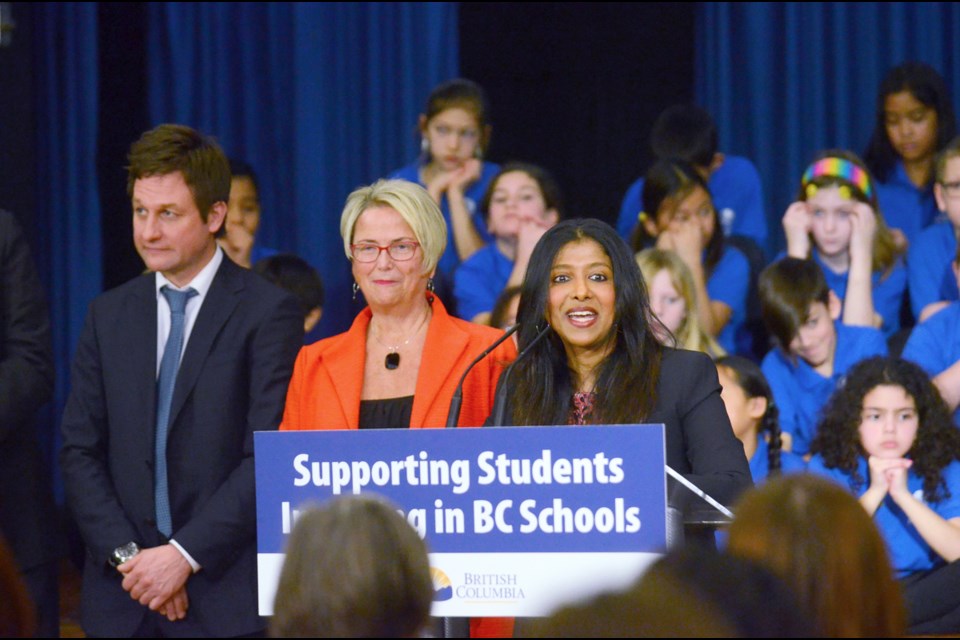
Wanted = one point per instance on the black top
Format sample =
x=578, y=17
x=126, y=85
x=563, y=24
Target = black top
x=389, y=413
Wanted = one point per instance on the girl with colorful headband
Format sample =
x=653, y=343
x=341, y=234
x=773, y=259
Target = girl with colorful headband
x=836, y=221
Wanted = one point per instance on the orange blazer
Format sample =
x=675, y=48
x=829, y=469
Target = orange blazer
x=324, y=391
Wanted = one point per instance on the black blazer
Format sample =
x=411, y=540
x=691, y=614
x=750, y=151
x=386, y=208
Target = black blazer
x=699, y=439
x=28, y=515
x=232, y=381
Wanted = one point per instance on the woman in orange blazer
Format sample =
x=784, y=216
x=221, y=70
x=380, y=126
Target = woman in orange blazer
x=400, y=362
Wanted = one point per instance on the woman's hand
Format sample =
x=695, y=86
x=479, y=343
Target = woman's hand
x=685, y=238
x=796, y=226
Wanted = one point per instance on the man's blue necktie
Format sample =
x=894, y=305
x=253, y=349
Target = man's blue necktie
x=165, y=384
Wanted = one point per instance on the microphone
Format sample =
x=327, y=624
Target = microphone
x=454, y=414
x=500, y=400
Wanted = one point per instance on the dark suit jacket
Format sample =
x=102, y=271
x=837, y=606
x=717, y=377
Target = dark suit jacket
x=232, y=381
x=699, y=439
x=28, y=515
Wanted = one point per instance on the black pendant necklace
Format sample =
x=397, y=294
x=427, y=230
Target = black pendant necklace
x=392, y=359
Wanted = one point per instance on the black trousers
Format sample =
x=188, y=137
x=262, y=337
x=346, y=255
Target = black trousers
x=933, y=600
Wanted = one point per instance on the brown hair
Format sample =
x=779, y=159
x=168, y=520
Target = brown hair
x=172, y=148
x=354, y=568
x=817, y=536
x=787, y=288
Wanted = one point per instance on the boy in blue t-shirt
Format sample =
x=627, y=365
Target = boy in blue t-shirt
x=935, y=345
x=930, y=278
x=688, y=132
x=814, y=350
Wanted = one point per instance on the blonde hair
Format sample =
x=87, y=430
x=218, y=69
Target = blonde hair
x=690, y=335
x=414, y=205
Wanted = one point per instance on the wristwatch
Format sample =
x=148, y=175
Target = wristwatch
x=123, y=553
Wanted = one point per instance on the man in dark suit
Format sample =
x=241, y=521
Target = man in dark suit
x=28, y=515
x=157, y=456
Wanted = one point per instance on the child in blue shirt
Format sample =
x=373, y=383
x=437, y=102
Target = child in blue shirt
x=814, y=351
x=932, y=285
x=755, y=418
x=835, y=221
x=887, y=436
x=935, y=345
x=521, y=203
x=679, y=216
x=688, y=132
x=454, y=131
x=914, y=119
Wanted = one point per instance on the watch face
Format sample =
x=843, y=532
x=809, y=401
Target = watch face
x=124, y=553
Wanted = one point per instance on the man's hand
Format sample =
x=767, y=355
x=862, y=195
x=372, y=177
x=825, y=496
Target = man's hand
x=154, y=576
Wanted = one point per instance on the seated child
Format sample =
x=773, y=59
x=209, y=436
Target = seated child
x=679, y=216
x=688, y=132
x=243, y=217
x=814, y=350
x=934, y=344
x=295, y=274
x=837, y=222
x=754, y=417
x=521, y=203
x=887, y=436
x=932, y=285
x=672, y=300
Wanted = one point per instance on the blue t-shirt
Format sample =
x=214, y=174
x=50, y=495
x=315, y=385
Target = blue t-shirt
x=729, y=283
x=800, y=392
x=909, y=552
x=888, y=291
x=478, y=282
x=928, y=267
x=935, y=344
x=904, y=206
x=450, y=260
x=760, y=462
x=737, y=194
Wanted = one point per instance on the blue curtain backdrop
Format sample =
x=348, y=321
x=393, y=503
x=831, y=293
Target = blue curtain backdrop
x=68, y=204
x=318, y=97
x=785, y=80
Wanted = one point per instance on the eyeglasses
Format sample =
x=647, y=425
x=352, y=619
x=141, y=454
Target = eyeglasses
x=400, y=250
x=951, y=189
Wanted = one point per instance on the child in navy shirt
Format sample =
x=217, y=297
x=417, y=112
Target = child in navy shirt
x=814, y=350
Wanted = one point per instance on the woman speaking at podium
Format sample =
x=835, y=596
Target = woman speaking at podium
x=589, y=355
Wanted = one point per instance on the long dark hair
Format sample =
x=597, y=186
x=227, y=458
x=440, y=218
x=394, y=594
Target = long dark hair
x=937, y=443
x=925, y=84
x=667, y=183
x=750, y=377
x=627, y=380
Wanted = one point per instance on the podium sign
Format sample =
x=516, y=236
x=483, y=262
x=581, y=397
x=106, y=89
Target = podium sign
x=518, y=520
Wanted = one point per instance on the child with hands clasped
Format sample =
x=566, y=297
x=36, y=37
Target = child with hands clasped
x=836, y=221
x=454, y=132
x=887, y=436
x=521, y=203
x=679, y=216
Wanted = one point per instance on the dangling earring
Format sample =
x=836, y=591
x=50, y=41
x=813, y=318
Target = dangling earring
x=430, y=286
x=424, y=148
x=356, y=288
x=478, y=153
